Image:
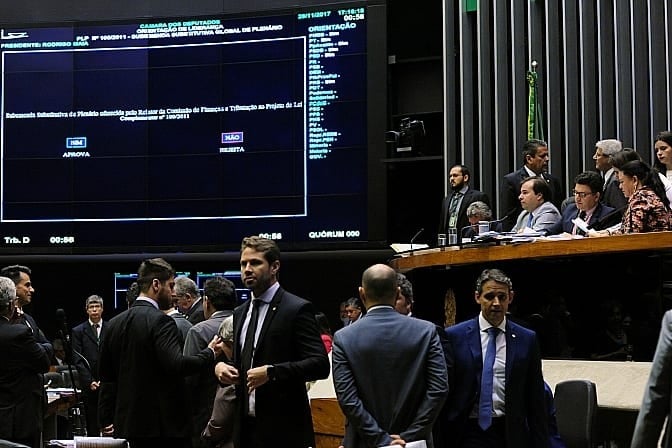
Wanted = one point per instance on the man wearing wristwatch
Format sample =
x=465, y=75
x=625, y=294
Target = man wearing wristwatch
x=278, y=349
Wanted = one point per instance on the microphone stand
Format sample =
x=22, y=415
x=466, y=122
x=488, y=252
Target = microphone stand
x=76, y=414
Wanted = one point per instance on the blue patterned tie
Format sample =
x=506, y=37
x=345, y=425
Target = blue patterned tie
x=487, y=379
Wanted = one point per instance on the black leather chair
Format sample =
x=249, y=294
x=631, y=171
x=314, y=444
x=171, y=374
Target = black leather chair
x=7, y=444
x=54, y=379
x=576, y=412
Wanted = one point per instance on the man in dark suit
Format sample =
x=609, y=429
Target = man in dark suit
x=274, y=355
x=587, y=206
x=20, y=275
x=382, y=405
x=189, y=301
x=496, y=394
x=142, y=369
x=85, y=342
x=24, y=361
x=535, y=157
x=454, y=206
x=612, y=195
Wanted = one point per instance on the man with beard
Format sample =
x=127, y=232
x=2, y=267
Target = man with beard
x=142, y=369
x=454, y=207
x=278, y=349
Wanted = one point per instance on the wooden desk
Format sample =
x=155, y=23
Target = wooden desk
x=328, y=422
x=541, y=249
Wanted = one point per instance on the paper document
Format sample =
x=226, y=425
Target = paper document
x=581, y=224
x=416, y=444
x=399, y=247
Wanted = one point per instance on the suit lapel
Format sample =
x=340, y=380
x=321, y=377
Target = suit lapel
x=88, y=331
x=474, y=338
x=511, y=348
x=270, y=314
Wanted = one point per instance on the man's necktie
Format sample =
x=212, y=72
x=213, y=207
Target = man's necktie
x=582, y=216
x=95, y=327
x=487, y=380
x=529, y=220
x=248, y=348
x=452, y=210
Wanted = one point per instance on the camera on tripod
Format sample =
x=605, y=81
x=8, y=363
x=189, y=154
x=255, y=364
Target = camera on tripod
x=408, y=140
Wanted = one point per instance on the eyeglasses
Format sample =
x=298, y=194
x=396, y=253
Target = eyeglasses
x=582, y=194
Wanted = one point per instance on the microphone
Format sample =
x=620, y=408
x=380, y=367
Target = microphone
x=62, y=325
x=422, y=229
x=500, y=220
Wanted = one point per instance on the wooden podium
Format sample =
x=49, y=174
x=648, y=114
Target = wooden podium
x=540, y=249
x=328, y=422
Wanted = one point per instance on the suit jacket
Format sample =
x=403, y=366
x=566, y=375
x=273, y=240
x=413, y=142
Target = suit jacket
x=571, y=211
x=544, y=218
x=84, y=342
x=612, y=194
x=195, y=313
x=203, y=386
x=290, y=340
x=470, y=196
x=183, y=325
x=142, y=372
x=21, y=391
x=511, y=190
x=525, y=409
x=657, y=400
x=390, y=377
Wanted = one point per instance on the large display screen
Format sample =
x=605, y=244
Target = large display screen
x=189, y=133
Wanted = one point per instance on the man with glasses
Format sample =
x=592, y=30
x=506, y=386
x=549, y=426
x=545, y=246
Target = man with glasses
x=586, y=206
x=612, y=195
x=535, y=156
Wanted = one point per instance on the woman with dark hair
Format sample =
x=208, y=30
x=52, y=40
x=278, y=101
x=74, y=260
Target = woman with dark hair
x=663, y=146
x=325, y=330
x=648, y=208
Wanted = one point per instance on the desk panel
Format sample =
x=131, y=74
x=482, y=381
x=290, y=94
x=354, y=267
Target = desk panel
x=540, y=249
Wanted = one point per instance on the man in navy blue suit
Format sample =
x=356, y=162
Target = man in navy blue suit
x=587, y=205
x=513, y=411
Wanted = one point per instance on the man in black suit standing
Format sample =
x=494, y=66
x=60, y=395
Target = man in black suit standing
x=85, y=342
x=20, y=275
x=24, y=361
x=189, y=300
x=454, y=206
x=142, y=369
x=536, y=157
x=278, y=349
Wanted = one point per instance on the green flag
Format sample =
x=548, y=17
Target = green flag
x=534, y=120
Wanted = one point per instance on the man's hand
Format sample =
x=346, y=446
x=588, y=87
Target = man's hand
x=397, y=440
x=107, y=430
x=256, y=377
x=216, y=345
x=226, y=373
x=94, y=385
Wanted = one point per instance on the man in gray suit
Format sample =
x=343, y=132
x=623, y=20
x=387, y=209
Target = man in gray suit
x=539, y=213
x=389, y=371
x=655, y=407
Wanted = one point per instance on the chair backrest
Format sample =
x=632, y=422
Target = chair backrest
x=576, y=412
x=66, y=378
x=56, y=379
x=7, y=444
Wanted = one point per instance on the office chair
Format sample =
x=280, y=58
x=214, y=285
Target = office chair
x=7, y=444
x=576, y=412
x=56, y=379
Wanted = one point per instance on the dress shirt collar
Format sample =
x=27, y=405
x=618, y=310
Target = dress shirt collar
x=530, y=173
x=376, y=307
x=267, y=295
x=484, y=324
x=147, y=299
x=607, y=175
x=100, y=323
